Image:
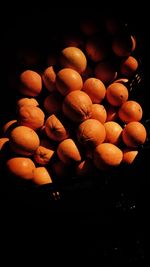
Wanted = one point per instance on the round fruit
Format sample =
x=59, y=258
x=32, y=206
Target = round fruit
x=77, y=106
x=130, y=111
x=54, y=129
x=42, y=155
x=21, y=167
x=117, y=94
x=129, y=66
x=91, y=133
x=49, y=78
x=129, y=155
x=24, y=140
x=99, y=113
x=74, y=58
x=113, y=132
x=68, y=80
x=95, y=89
x=27, y=102
x=105, y=71
x=31, y=116
x=53, y=103
x=30, y=83
x=107, y=155
x=68, y=152
x=134, y=134
x=41, y=176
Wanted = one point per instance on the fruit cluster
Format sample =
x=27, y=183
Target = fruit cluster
x=76, y=115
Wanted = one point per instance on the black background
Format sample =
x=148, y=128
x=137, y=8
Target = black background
x=104, y=223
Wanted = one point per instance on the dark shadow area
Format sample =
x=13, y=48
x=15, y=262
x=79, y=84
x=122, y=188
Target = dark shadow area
x=103, y=221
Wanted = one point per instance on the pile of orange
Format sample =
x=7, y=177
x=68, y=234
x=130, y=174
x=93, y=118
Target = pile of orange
x=87, y=121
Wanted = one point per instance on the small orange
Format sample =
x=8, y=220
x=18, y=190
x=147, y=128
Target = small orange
x=31, y=116
x=130, y=111
x=21, y=167
x=91, y=133
x=3, y=140
x=42, y=155
x=27, y=101
x=68, y=80
x=134, y=134
x=49, y=78
x=24, y=140
x=53, y=103
x=105, y=71
x=77, y=106
x=129, y=155
x=68, y=152
x=99, y=113
x=129, y=66
x=95, y=89
x=30, y=83
x=8, y=126
x=117, y=94
x=113, y=132
x=41, y=176
x=74, y=58
x=96, y=48
x=107, y=155
x=55, y=130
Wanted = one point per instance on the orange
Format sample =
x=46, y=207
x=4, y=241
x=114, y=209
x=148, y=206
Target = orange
x=107, y=155
x=117, y=94
x=42, y=155
x=53, y=103
x=134, y=134
x=31, y=116
x=21, y=167
x=129, y=66
x=3, y=140
x=30, y=83
x=96, y=48
x=123, y=44
x=68, y=80
x=24, y=140
x=105, y=71
x=49, y=78
x=95, y=89
x=91, y=133
x=55, y=130
x=74, y=58
x=130, y=111
x=41, y=176
x=27, y=101
x=113, y=132
x=129, y=155
x=68, y=152
x=8, y=126
x=99, y=113
x=77, y=106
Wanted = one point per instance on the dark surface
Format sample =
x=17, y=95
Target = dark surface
x=102, y=221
